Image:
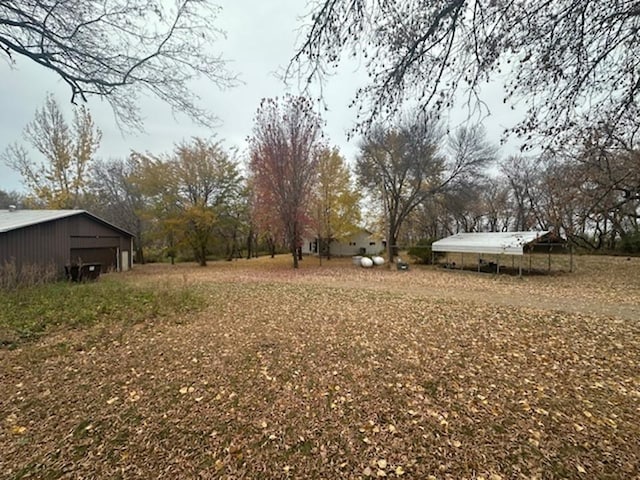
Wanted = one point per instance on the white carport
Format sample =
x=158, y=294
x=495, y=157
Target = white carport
x=494, y=243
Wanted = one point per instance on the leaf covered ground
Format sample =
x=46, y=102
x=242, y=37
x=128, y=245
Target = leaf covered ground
x=338, y=372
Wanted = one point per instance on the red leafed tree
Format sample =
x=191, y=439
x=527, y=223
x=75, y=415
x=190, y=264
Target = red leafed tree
x=264, y=218
x=284, y=151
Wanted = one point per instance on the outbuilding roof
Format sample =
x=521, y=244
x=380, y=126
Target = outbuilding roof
x=16, y=219
x=504, y=243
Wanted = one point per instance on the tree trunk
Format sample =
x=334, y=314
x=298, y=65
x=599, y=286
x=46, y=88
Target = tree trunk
x=249, y=244
x=391, y=248
x=201, y=257
x=293, y=245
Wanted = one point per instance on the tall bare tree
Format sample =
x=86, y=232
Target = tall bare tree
x=605, y=179
x=284, y=157
x=119, y=49
x=10, y=198
x=62, y=177
x=401, y=167
x=406, y=166
x=115, y=194
x=524, y=179
x=496, y=204
x=574, y=63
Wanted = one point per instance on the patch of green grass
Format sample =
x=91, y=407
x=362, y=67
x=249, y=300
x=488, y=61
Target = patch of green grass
x=29, y=313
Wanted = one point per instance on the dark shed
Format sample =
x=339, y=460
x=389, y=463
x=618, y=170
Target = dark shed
x=61, y=237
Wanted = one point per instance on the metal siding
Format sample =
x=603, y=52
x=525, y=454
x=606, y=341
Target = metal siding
x=85, y=226
x=95, y=242
x=40, y=244
x=91, y=235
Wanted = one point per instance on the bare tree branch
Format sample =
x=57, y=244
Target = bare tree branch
x=574, y=63
x=120, y=49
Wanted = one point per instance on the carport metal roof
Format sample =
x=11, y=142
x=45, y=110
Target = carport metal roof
x=503, y=243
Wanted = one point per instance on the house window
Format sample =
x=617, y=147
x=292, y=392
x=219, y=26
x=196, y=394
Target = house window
x=372, y=243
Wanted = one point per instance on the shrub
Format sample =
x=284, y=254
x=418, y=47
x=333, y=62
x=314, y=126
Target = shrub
x=421, y=252
x=630, y=243
x=14, y=276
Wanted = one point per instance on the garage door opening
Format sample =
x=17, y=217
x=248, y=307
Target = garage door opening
x=106, y=257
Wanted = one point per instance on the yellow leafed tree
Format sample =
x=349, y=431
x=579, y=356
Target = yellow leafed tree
x=60, y=178
x=335, y=206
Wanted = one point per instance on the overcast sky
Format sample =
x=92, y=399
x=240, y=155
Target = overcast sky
x=260, y=40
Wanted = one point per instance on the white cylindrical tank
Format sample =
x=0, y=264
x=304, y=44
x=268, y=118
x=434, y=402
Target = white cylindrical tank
x=378, y=260
x=366, y=262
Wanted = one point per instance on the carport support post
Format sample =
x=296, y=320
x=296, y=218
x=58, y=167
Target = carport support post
x=549, y=262
x=497, y=264
x=478, y=263
x=462, y=261
x=520, y=268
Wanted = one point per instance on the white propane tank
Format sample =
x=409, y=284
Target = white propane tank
x=378, y=260
x=366, y=262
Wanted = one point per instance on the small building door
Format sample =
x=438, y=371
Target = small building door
x=124, y=265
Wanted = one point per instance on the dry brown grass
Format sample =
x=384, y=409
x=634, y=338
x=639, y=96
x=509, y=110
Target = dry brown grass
x=341, y=372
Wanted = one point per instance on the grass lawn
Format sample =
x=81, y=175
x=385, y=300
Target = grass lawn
x=248, y=369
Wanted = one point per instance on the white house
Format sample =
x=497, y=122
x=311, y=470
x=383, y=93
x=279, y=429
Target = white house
x=361, y=243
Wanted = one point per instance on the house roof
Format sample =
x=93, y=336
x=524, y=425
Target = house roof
x=16, y=219
x=505, y=243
